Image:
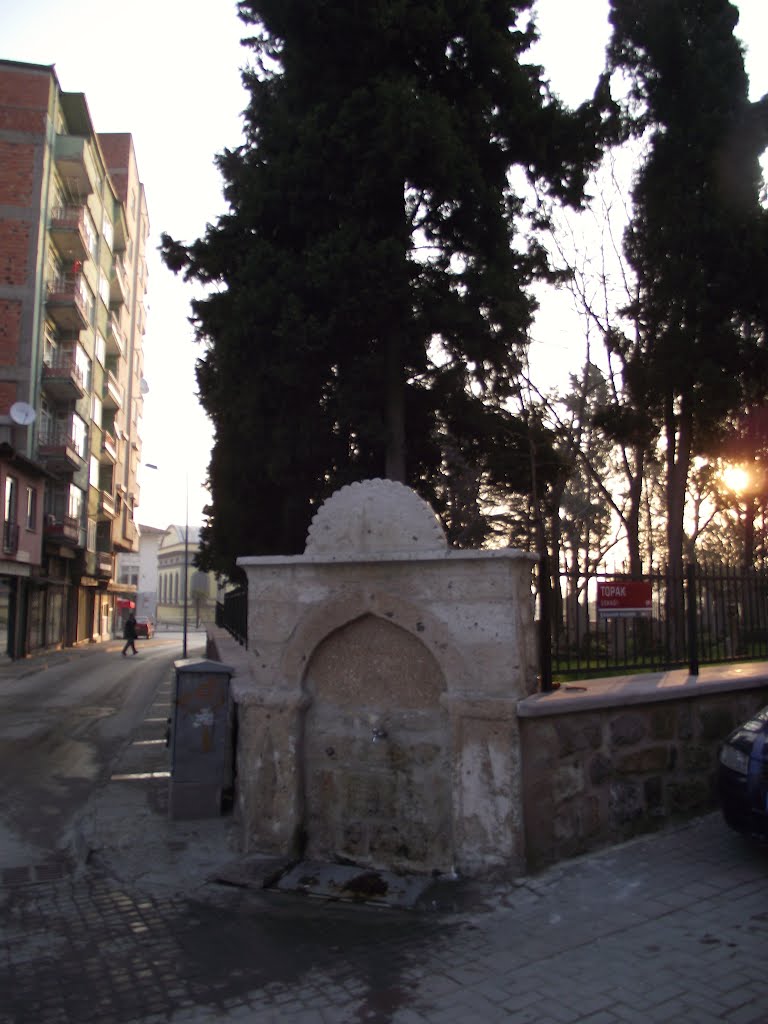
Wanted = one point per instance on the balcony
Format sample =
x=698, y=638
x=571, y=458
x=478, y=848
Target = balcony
x=103, y=564
x=75, y=164
x=115, y=340
x=64, y=530
x=112, y=396
x=59, y=451
x=121, y=230
x=118, y=283
x=108, y=448
x=62, y=378
x=68, y=232
x=65, y=303
x=125, y=536
x=10, y=538
x=106, y=505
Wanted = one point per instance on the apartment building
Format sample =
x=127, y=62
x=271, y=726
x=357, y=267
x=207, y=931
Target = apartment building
x=73, y=278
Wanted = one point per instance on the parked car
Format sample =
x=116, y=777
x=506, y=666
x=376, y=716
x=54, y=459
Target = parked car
x=145, y=627
x=743, y=776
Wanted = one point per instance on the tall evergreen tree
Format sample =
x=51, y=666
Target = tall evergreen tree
x=370, y=278
x=698, y=239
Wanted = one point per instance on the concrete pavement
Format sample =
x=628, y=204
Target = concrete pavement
x=671, y=927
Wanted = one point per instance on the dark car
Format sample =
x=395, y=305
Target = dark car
x=743, y=776
x=145, y=628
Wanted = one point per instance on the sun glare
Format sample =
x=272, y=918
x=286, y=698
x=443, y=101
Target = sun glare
x=736, y=478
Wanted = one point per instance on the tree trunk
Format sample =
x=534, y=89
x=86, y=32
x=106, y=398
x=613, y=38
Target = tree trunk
x=679, y=441
x=633, y=517
x=394, y=460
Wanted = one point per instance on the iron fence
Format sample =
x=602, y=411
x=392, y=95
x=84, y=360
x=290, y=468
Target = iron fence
x=232, y=614
x=709, y=615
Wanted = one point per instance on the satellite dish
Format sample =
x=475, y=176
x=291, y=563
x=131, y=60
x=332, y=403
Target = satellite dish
x=22, y=413
x=143, y=386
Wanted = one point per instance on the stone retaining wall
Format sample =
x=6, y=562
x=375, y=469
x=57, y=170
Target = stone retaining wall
x=603, y=774
x=607, y=761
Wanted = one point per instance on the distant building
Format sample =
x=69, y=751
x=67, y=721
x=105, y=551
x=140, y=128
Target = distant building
x=73, y=274
x=146, y=597
x=137, y=570
x=174, y=556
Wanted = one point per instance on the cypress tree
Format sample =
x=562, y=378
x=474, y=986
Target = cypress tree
x=370, y=278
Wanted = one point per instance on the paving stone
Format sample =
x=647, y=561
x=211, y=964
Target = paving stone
x=665, y=928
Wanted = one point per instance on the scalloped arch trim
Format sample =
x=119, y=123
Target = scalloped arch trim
x=375, y=517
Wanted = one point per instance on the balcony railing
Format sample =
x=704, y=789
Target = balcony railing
x=75, y=163
x=64, y=529
x=58, y=446
x=112, y=396
x=68, y=231
x=106, y=505
x=62, y=377
x=10, y=538
x=109, y=447
x=104, y=563
x=66, y=304
x=118, y=282
x=114, y=339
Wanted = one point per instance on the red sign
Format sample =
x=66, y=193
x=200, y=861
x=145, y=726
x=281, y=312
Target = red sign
x=624, y=598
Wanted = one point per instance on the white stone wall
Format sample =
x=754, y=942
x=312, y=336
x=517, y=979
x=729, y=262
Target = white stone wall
x=472, y=614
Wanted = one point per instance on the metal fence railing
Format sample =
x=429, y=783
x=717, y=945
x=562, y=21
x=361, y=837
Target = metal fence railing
x=711, y=614
x=232, y=614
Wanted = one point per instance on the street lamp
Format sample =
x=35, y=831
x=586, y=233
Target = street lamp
x=185, y=582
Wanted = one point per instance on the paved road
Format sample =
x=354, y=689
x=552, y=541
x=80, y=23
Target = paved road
x=668, y=928
x=63, y=719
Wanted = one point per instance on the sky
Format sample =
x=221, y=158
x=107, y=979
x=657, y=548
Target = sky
x=168, y=72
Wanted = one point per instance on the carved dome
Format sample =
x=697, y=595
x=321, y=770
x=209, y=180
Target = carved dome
x=375, y=517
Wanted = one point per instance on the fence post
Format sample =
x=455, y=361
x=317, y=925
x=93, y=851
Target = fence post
x=693, y=646
x=545, y=624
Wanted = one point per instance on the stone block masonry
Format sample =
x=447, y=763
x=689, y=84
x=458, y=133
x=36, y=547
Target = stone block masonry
x=625, y=756
x=377, y=723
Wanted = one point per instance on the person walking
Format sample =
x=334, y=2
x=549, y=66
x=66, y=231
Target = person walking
x=129, y=633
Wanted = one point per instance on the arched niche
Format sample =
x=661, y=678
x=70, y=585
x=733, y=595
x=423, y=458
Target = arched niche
x=376, y=771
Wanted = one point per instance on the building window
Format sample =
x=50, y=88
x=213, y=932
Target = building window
x=96, y=410
x=52, y=266
x=31, y=508
x=108, y=231
x=49, y=345
x=11, y=490
x=79, y=435
x=104, y=287
x=75, y=502
x=86, y=297
x=10, y=527
x=83, y=364
x=100, y=348
x=91, y=236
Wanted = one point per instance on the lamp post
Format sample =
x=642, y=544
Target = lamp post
x=186, y=564
x=185, y=582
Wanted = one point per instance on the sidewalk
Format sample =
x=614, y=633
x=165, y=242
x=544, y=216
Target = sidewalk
x=127, y=829
x=666, y=928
